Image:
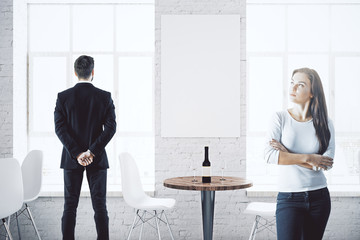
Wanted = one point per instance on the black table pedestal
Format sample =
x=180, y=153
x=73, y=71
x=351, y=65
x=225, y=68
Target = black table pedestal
x=207, y=203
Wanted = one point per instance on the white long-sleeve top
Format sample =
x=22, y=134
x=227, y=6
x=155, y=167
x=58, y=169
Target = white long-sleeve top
x=297, y=137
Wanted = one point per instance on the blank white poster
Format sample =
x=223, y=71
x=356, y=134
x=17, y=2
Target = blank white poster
x=200, y=76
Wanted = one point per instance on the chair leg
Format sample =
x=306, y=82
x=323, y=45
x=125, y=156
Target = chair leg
x=132, y=226
x=32, y=220
x=142, y=223
x=254, y=228
x=157, y=224
x=9, y=221
x=18, y=226
x=167, y=223
x=7, y=229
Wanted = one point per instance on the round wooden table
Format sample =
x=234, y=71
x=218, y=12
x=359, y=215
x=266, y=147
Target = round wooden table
x=207, y=194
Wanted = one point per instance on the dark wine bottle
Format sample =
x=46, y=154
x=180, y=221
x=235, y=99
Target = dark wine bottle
x=206, y=167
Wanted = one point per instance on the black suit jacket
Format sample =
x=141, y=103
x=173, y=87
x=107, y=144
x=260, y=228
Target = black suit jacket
x=84, y=119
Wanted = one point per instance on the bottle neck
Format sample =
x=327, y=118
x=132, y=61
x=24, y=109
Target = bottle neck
x=206, y=159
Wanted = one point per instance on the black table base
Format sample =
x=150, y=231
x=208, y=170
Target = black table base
x=207, y=203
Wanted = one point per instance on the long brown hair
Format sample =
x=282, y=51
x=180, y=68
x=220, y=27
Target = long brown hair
x=318, y=108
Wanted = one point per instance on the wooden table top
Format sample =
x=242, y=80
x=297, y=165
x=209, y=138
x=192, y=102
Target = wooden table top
x=185, y=183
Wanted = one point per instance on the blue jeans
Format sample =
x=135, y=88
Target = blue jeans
x=302, y=215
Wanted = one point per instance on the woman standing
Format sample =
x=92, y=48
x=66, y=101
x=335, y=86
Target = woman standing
x=302, y=143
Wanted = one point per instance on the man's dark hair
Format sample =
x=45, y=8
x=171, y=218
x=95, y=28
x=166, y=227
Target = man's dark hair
x=83, y=66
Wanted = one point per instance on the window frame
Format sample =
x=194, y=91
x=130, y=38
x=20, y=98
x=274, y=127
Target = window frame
x=23, y=79
x=269, y=189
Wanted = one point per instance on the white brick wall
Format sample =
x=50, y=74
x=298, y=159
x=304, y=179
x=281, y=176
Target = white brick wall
x=6, y=62
x=172, y=159
x=173, y=154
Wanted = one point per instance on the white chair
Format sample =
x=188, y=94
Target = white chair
x=31, y=169
x=264, y=216
x=135, y=197
x=11, y=189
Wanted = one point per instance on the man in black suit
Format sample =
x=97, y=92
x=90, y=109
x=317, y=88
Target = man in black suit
x=85, y=123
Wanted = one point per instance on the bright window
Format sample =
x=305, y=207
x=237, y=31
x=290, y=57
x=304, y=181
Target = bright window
x=120, y=37
x=282, y=37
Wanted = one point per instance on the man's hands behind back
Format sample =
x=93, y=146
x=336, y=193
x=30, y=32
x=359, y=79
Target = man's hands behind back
x=85, y=158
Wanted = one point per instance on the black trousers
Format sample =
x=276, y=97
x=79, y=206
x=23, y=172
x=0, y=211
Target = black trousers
x=72, y=187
